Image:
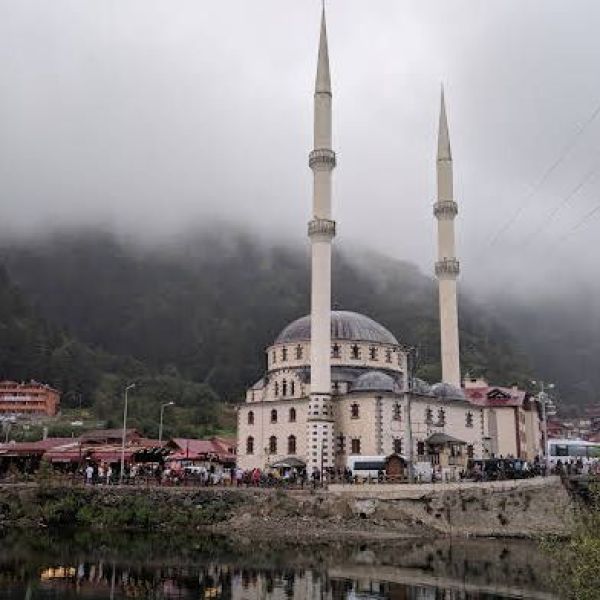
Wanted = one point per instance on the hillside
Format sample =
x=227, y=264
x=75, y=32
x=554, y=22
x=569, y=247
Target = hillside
x=205, y=309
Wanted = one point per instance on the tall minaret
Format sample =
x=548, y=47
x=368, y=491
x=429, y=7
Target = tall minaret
x=321, y=231
x=447, y=266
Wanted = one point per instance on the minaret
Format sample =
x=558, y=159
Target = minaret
x=447, y=266
x=321, y=231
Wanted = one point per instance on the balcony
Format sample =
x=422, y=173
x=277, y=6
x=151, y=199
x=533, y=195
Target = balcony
x=448, y=267
x=445, y=209
x=321, y=227
x=322, y=159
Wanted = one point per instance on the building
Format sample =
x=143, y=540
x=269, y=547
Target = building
x=337, y=383
x=31, y=399
x=511, y=419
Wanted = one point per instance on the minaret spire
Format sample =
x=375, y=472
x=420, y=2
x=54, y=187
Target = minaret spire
x=321, y=231
x=447, y=266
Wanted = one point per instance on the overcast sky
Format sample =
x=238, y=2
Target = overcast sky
x=149, y=115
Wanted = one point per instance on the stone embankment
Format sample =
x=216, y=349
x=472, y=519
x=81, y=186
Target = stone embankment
x=525, y=508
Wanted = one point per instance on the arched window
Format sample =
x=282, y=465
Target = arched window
x=397, y=445
x=298, y=352
x=354, y=411
x=292, y=444
x=421, y=448
x=335, y=351
x=292, y=387
x=441, y=417
x=274, y=359
x=273, y=416
x=355, y=352
x=250, y=445
x=284, y=354
x=272, y=445
x=469, y=419
x=284, y=387
x=251, y=418
x=277, y=388
x=397, y=416
x=355, y=446
x=388, y=355
x=470, y=451
x=292, y=415
x=373, y=353
x=428, y=416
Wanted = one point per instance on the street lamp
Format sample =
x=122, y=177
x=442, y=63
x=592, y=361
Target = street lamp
x=544, y=399
x=162, y=412
x=130, y=386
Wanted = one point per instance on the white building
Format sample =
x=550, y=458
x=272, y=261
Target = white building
x=337, y=383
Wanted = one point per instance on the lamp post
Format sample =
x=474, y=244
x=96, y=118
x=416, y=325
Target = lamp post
x=127, y=388
x=544, y=399
x=162, y=412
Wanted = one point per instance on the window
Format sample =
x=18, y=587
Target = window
x=441, y=418
x=284, y=387
x=274, y=356
x=469, y=422
x=250, y=445
x=355, y=352
x=341, y=443
x=284, y=354
x=428, y=416
x=298, y=352
x=273, y=416
x=277, y=388
x=355, y=446
x=272, y=445
x=388, y=355
x=292, y=388
x=470, y=452
x=335, y=351
x=292, y=444
x=421, y=448
x=336, y=387
x=397, y=445
x=397, y=416
x=373, y=353
x=251, y=418
x=354, y=411
x=292, y=415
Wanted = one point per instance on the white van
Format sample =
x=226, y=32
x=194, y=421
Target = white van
x=365, y=467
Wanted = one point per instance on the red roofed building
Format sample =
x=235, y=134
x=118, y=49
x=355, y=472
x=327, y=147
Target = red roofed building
x=33, y=399
x=214, y=449
x=511, y=423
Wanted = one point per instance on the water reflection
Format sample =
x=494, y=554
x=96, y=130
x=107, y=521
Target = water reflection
x=154, y=568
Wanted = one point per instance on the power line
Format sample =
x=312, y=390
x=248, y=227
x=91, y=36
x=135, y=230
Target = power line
x=588, y=177
x=581, y=222
x=563, y=154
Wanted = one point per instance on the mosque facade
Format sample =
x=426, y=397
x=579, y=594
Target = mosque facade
x=339, y=385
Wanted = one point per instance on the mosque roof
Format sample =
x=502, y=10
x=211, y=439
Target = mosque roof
x=345, y=325
x=376, y=381
x=447, y=391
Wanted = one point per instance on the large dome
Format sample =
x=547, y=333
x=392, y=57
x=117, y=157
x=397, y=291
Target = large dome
x=345, y=325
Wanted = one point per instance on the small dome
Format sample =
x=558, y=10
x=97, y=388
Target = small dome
x=447, y=390
x=345, y=325
x=376, y=381
x=421, y=387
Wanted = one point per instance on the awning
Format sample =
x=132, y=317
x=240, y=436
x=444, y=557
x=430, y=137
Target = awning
x=442, y=439
x=288, y=463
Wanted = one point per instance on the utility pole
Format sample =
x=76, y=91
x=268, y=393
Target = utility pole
x=411, y=360
x=124, y=435
x=162, y=412
x=544, y=399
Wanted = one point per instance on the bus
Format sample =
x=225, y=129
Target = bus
x=365, y=467
x=572, y=450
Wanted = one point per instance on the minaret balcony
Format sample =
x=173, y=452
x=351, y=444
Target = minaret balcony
x=445, y=209
x=321, y=228
x=322, y=159
x=449, y=267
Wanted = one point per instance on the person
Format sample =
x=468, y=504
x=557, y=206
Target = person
x=239, y=476
x=109, y=473
x=100, y=474
x=89, y=474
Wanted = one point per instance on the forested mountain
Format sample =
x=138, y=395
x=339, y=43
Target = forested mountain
x=204, y=309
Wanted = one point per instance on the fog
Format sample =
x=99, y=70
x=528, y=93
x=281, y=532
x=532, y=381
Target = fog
x=150, y=117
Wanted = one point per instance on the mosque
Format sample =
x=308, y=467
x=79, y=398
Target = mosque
x=338, y=384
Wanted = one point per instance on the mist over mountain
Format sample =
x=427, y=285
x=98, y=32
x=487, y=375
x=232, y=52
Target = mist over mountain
x=208, y=305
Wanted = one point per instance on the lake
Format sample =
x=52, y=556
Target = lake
x=93, y=567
